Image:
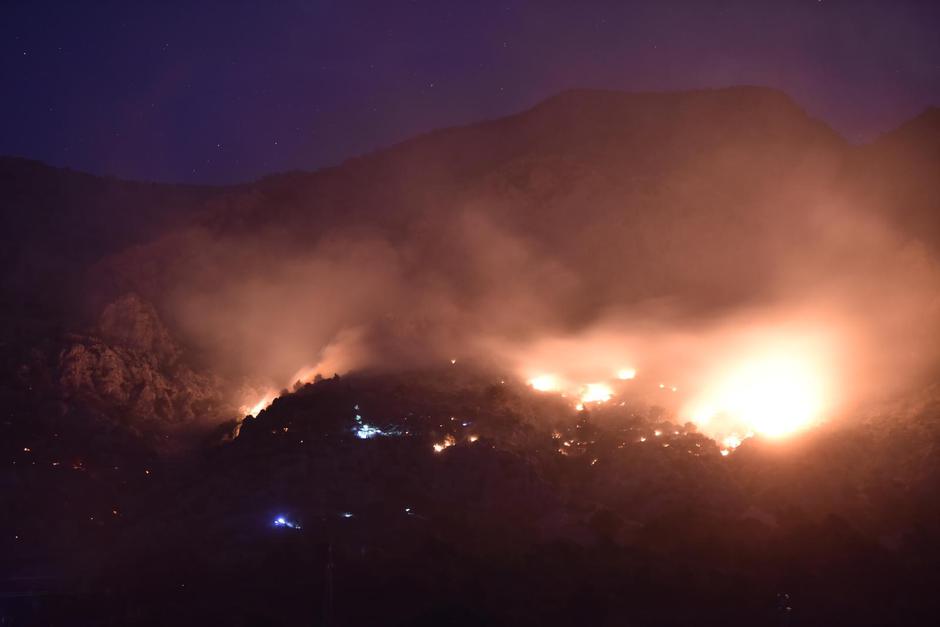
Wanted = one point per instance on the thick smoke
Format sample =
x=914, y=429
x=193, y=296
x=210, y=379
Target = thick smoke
x=843, y=294
x=680, y=234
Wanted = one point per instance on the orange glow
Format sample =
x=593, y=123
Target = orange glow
x=304, y=375
x=447, y=442
x=544, y=383
x=587, y=393
x=774, y=395
x=596, y=393
x=262, y=403
x=626, y=374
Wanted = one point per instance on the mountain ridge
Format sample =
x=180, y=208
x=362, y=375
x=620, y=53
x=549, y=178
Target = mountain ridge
x=6, y=159
x=539, y=210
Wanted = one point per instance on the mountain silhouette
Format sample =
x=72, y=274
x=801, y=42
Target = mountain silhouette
x=427, y=483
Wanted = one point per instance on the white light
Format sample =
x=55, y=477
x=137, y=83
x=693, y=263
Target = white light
x=774, y=395
x=366, y=432
x=596, y=393
x=544, y=383
x=280, y=521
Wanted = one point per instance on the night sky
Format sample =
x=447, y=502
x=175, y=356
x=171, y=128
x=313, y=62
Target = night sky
x=220, y=92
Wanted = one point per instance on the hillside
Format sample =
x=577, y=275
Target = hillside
x=541, y=222
x=450, y=496
x=898, y=174
x=431, y=482
x=56, y=222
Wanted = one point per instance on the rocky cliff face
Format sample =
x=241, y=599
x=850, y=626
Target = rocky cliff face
x=131, y=368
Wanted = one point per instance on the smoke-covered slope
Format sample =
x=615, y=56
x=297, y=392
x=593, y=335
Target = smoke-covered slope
x=898, y=174
x=664, y=223
x=536, y=224
x=543, y=220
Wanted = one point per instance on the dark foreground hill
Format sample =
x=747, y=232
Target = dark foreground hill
x=135, y=314
x=334, y=506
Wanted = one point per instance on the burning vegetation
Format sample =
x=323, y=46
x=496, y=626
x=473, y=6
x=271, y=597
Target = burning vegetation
x=348, y=479
x=620, y=358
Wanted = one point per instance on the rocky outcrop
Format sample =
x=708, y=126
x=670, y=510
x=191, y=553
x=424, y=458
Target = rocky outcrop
x=132, y=323
x=131, y=368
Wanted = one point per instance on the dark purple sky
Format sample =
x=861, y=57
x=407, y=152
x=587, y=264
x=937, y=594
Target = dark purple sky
x=228, y=91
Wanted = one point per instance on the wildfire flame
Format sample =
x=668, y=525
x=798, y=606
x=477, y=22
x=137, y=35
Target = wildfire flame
x=596, y=393
x=544, y=383
x=766, y=382
x=626, y=374
x=772, y=395
x=304, y=375
x=447, y=442
x=262, y=403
